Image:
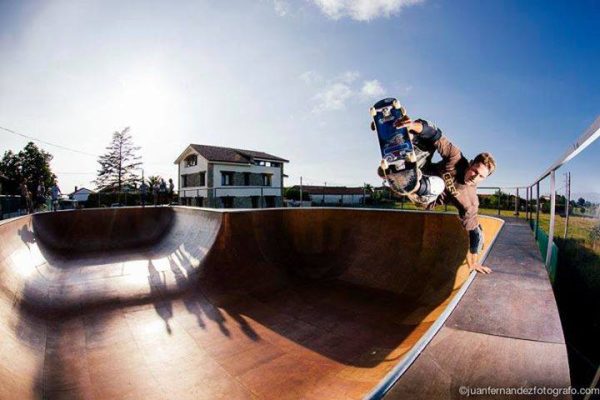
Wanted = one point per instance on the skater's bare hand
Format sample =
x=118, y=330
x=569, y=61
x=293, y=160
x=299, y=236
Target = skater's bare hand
x=482, y=269
x=402, y=123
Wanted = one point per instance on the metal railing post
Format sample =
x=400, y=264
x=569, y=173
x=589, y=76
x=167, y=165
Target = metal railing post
x=517, y=203
x=537, y=209
x=552, y=216
x=567, y=205
x=527, y=203
x=499, y=200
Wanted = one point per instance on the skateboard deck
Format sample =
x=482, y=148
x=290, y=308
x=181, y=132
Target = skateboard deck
x=399, y=161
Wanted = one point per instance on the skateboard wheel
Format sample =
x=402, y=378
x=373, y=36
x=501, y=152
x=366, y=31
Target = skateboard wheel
x=412, y=158
x=373, y=111
x=396, y=104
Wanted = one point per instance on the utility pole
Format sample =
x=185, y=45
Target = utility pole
x=567, y=202
x=300, y=191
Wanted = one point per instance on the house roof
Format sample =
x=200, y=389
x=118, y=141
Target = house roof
x=230, y=155
x=332, y=190
x=81, y=190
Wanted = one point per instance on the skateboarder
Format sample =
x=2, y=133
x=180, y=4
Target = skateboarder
x=54, y=194
x=460, y=177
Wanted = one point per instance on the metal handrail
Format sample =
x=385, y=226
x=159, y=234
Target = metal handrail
x=589, y=136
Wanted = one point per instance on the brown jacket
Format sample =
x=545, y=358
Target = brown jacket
x=452, y=169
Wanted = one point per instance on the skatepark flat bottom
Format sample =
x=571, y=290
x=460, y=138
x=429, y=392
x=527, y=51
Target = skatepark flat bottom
x=162, y=303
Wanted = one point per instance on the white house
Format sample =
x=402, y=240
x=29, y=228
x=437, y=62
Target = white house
x=222, y=177
x=81, y=194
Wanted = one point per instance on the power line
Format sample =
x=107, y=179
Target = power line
x=77, y=173
x=47, y=143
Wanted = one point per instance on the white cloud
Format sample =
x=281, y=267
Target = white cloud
x=310, y=77
x=362, y=10
x=348, y=77
x=333, y=97
x=372, y=89
x=282, y=7
x=343, y=88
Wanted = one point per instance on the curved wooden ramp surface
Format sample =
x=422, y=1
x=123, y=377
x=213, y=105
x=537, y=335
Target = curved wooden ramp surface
x=192, y=303
x=505, y=332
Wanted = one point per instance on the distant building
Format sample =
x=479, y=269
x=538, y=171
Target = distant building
x=335, y=195
x=80, y=195
x=223, y=177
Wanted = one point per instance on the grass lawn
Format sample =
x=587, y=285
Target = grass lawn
x=579, y=227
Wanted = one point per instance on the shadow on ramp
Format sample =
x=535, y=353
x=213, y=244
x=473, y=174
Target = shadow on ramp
x=163, y=302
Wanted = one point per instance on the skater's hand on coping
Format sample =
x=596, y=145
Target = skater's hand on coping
x=482, y=269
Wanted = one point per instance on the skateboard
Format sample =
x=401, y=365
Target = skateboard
x=399, y=160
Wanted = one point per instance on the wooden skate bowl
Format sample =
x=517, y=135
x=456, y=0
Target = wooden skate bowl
x=161, y=303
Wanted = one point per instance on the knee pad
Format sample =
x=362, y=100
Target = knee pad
x=431, y=186
x=476, y=240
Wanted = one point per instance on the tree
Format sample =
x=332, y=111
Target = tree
x=581, y=202
x=293, y=193
x=154, y=180
x=119, y=165
x=9, y=169
x=31, y=163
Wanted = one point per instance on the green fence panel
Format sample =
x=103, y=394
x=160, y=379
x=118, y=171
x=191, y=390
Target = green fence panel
x=542, y=241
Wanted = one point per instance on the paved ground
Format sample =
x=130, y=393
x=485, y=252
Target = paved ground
x=505, y=333
x=189, y=303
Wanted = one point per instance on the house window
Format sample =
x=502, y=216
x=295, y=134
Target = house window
x=193, y=180
x=246, y=178
x=266, y=179
x=227, y=201
x=269, y=201
x=226, y=178
x=191, y=160
x=255, y=200
x=275, y=164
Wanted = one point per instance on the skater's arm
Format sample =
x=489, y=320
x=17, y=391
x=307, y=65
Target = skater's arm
x=450, y=154
x=475, y=246
x=431, y=134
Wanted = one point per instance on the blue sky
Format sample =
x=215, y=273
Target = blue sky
x=296, y=79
